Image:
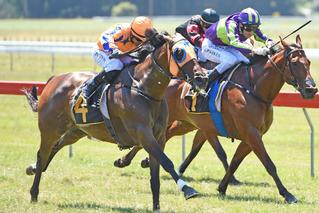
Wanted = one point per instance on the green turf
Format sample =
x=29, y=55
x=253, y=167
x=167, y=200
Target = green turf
x=89, y=183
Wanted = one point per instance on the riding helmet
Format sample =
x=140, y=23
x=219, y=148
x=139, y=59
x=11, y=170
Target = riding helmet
x=209, y=16
x=249, y=16
x=139, y=25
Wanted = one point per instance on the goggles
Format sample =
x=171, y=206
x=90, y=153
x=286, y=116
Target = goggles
x=250, y=28
x=136, y=38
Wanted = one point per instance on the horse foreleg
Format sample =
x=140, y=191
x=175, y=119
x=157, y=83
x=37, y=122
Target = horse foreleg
x=176, y=128
x=220, y=152
x=198, y=142
x=155, y=181
x=126, y=159
x=241, y=152
x=146, y=138
x=258, y=147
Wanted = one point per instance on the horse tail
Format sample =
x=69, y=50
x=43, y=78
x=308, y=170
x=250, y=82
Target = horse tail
x=32, y=98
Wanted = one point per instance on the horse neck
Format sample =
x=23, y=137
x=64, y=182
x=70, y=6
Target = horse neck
x=153, y=81
x=269, y=80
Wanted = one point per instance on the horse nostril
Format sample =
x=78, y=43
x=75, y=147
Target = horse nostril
x=310, y=83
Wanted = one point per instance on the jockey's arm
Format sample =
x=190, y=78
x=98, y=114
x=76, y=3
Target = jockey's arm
x=106, y=43
x=259, y=36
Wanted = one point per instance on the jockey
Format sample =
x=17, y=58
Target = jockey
x=112, y=43
x=227, y=42
x=194, y=28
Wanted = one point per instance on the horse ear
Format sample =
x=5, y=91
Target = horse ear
x=284, y=44
x=298, y=40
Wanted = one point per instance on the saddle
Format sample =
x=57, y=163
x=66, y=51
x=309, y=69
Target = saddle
x=96, y=112
x=85, y=114
x=199, y=103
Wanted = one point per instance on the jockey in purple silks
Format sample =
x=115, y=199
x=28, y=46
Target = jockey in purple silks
x=227, y=41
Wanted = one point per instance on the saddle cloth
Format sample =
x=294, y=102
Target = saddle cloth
x=211, y=103
x=96, y=112
x=90, y=113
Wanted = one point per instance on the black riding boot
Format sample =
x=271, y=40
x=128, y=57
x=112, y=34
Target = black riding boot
x=92, y=84
x=213, y=75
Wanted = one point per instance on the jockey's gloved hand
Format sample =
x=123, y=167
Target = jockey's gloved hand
x=271, y=45
x=261, y=51
x=115, y=53
x=157, y=40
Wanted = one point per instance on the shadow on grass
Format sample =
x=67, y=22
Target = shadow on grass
x=217, y=181
x=249, y=198
x=95, y=206
x=241, y=198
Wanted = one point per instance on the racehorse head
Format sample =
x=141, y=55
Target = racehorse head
x=177, y=56
x=296, y=71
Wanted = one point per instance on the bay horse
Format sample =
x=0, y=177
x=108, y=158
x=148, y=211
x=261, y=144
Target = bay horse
x=247, y=109
x=136, y=104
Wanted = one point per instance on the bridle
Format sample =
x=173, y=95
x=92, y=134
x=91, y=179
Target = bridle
x=287, y=63
x=167, y=73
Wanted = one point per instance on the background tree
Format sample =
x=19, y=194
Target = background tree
x=124, y=9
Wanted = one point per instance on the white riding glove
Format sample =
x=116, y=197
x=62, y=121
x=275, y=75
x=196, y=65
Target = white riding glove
x=271, y=44
x=261, y=51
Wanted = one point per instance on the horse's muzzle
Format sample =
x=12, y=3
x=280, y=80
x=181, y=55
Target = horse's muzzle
x=310, y=89
x=200, y=82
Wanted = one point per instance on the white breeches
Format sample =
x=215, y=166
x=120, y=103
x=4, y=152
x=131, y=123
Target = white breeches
x=103, y=60
x=200, y=56
x=226, y=56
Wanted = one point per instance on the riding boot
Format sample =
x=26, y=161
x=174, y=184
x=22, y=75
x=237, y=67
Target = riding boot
x=213, y=75
x=92, y=84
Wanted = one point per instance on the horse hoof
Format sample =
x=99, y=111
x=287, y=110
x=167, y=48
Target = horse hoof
x=221, y=192
x=34, y=199
x=291, y=199
x=120, y=164
x=234, y=181
x=30, y=170
x=145, y=163
x=189, y=192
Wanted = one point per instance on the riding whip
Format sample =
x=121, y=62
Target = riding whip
x=291, y=33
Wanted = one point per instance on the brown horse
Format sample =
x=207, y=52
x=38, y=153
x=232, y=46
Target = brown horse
x=136, y=106
x=246, y=108
x=178, y=126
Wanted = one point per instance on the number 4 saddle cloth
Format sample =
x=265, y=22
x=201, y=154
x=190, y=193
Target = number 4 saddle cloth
x=88, y=113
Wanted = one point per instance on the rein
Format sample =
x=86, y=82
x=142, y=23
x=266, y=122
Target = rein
x=249, y=91
x=158, y=68
x=287, y=62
